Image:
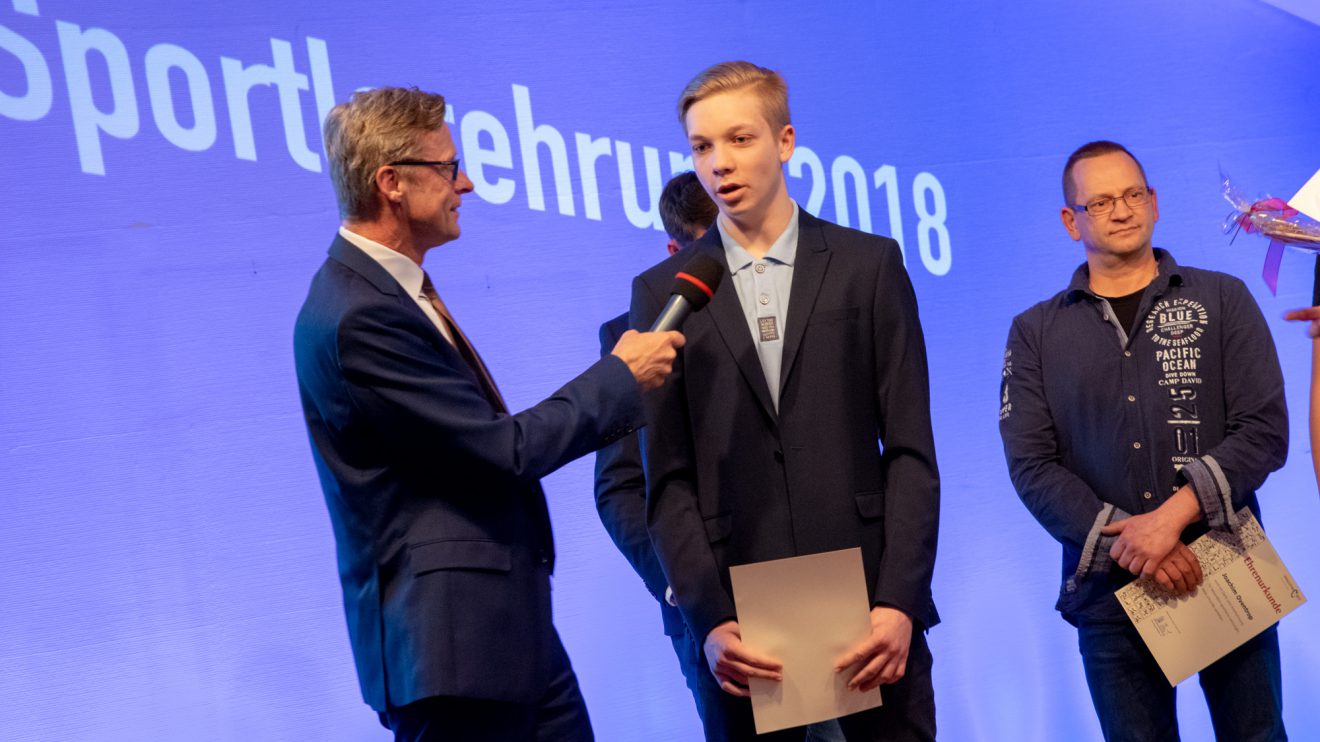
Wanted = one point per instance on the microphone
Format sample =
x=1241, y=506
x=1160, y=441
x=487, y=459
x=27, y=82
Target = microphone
x=693, y=288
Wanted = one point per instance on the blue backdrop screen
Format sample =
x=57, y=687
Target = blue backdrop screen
x=168, y=563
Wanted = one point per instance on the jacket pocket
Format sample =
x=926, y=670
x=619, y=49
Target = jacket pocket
x=871, y=505
x=718, y=527
x=489, y=556
x=832, y=315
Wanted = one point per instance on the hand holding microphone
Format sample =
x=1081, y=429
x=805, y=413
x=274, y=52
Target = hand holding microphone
x=650, y=355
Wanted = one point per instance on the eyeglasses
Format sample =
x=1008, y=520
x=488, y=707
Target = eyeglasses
x=1101, y=206
x=451, y=164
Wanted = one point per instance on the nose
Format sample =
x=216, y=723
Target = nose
x=462, y=183
x=720, y=161
x=1121, y=210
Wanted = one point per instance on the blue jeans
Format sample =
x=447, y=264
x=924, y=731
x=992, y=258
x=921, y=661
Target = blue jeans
x=1135, y=702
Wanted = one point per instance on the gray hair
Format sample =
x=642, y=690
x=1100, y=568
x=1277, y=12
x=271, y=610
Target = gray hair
x=373, y=128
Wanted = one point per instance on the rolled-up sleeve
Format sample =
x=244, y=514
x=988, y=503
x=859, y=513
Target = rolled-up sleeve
x=1256, y=416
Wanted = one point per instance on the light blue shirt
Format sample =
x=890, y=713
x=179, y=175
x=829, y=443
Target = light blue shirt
x=763, y=286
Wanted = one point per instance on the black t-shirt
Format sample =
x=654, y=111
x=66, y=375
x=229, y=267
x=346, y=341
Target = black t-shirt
x=1125, y=309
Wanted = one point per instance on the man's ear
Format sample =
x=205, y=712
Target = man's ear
x=1069, y=217
x=673, y=247
x=388, y=183
x=787, y=142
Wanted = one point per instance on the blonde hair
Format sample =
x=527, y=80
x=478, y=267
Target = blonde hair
x=726, y=77
x=374, y=128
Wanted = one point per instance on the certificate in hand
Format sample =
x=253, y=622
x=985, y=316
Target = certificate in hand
x=1246, y=590
x=805, y=612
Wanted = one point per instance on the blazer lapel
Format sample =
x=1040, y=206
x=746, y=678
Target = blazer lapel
x=343, y=251
x=726, y=313
x=352, y=256
x=813, y=257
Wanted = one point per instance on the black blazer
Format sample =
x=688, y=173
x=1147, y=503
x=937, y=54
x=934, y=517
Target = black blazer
x=847, y=460
x=621, y=500
x=440, y=523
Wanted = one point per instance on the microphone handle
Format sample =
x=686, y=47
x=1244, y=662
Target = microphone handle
x=672, y=316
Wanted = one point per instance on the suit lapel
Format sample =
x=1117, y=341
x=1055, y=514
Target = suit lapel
x=352, y=256
x=343, y=251
x=726, y=313
x=813, y=257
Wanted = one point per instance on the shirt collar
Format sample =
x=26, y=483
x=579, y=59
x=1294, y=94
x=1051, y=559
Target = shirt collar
x=1168, y=274
x=783, y=251
x=400, y=267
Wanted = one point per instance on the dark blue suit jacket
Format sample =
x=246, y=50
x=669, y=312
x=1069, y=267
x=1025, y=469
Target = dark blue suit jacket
x=621, y=500
x=847, y=460
x=440, y=523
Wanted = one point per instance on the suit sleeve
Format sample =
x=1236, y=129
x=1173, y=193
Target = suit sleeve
x=1064, y=504
x=1256, y=416
x=912, y=483
x=673, y=515
x=419, y=400
x=621, y=497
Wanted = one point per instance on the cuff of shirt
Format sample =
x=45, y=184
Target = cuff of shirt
x=1095, y=552
x=1213, y=491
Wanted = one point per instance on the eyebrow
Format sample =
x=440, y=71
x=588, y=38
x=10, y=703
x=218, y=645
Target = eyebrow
x=728, y=131
x=1120, y=193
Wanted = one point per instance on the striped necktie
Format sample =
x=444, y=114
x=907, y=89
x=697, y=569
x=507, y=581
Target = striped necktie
x=464, y=347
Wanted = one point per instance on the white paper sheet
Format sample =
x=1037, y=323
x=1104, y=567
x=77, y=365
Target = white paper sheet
x=1246, y=590
x=805, y=612
x=1307, y=200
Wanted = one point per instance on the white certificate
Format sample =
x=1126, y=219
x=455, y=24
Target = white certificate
x=805, y=612
x=1246, y=590
x=1307, y=200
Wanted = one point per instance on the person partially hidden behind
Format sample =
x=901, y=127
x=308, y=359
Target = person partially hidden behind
x=1312, y=315
x=440, y=523
x=1141, y=406
x=686, y=212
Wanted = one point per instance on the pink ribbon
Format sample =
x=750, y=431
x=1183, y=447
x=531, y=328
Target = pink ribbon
x=1266, y=206
x=1273, y=255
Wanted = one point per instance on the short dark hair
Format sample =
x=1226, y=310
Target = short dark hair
x=685, y=209
x=1093, y=149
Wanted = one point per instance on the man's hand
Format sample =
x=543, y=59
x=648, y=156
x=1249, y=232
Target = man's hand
x=1310, y=314
x=882, y=655
x=732, y=663
x=1180, y=572
x=1146, y=540
x=649, y=355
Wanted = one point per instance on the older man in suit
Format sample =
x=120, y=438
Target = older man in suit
x=440, y=523
x=797, y=418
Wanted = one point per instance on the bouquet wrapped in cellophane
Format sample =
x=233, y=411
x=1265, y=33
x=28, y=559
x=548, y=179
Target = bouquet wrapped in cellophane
x=1275, y=219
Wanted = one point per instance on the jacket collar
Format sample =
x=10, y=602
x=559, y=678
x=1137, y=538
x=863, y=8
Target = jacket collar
x=1169, y=273
x=727, y=313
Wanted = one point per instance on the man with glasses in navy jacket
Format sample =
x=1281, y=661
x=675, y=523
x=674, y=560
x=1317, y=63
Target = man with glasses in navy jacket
x=1140, y=407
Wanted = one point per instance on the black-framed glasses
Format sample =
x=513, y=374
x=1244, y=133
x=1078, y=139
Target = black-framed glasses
x=1101, y=206
x=451, y=164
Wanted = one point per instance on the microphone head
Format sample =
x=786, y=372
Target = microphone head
x=698, y=280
